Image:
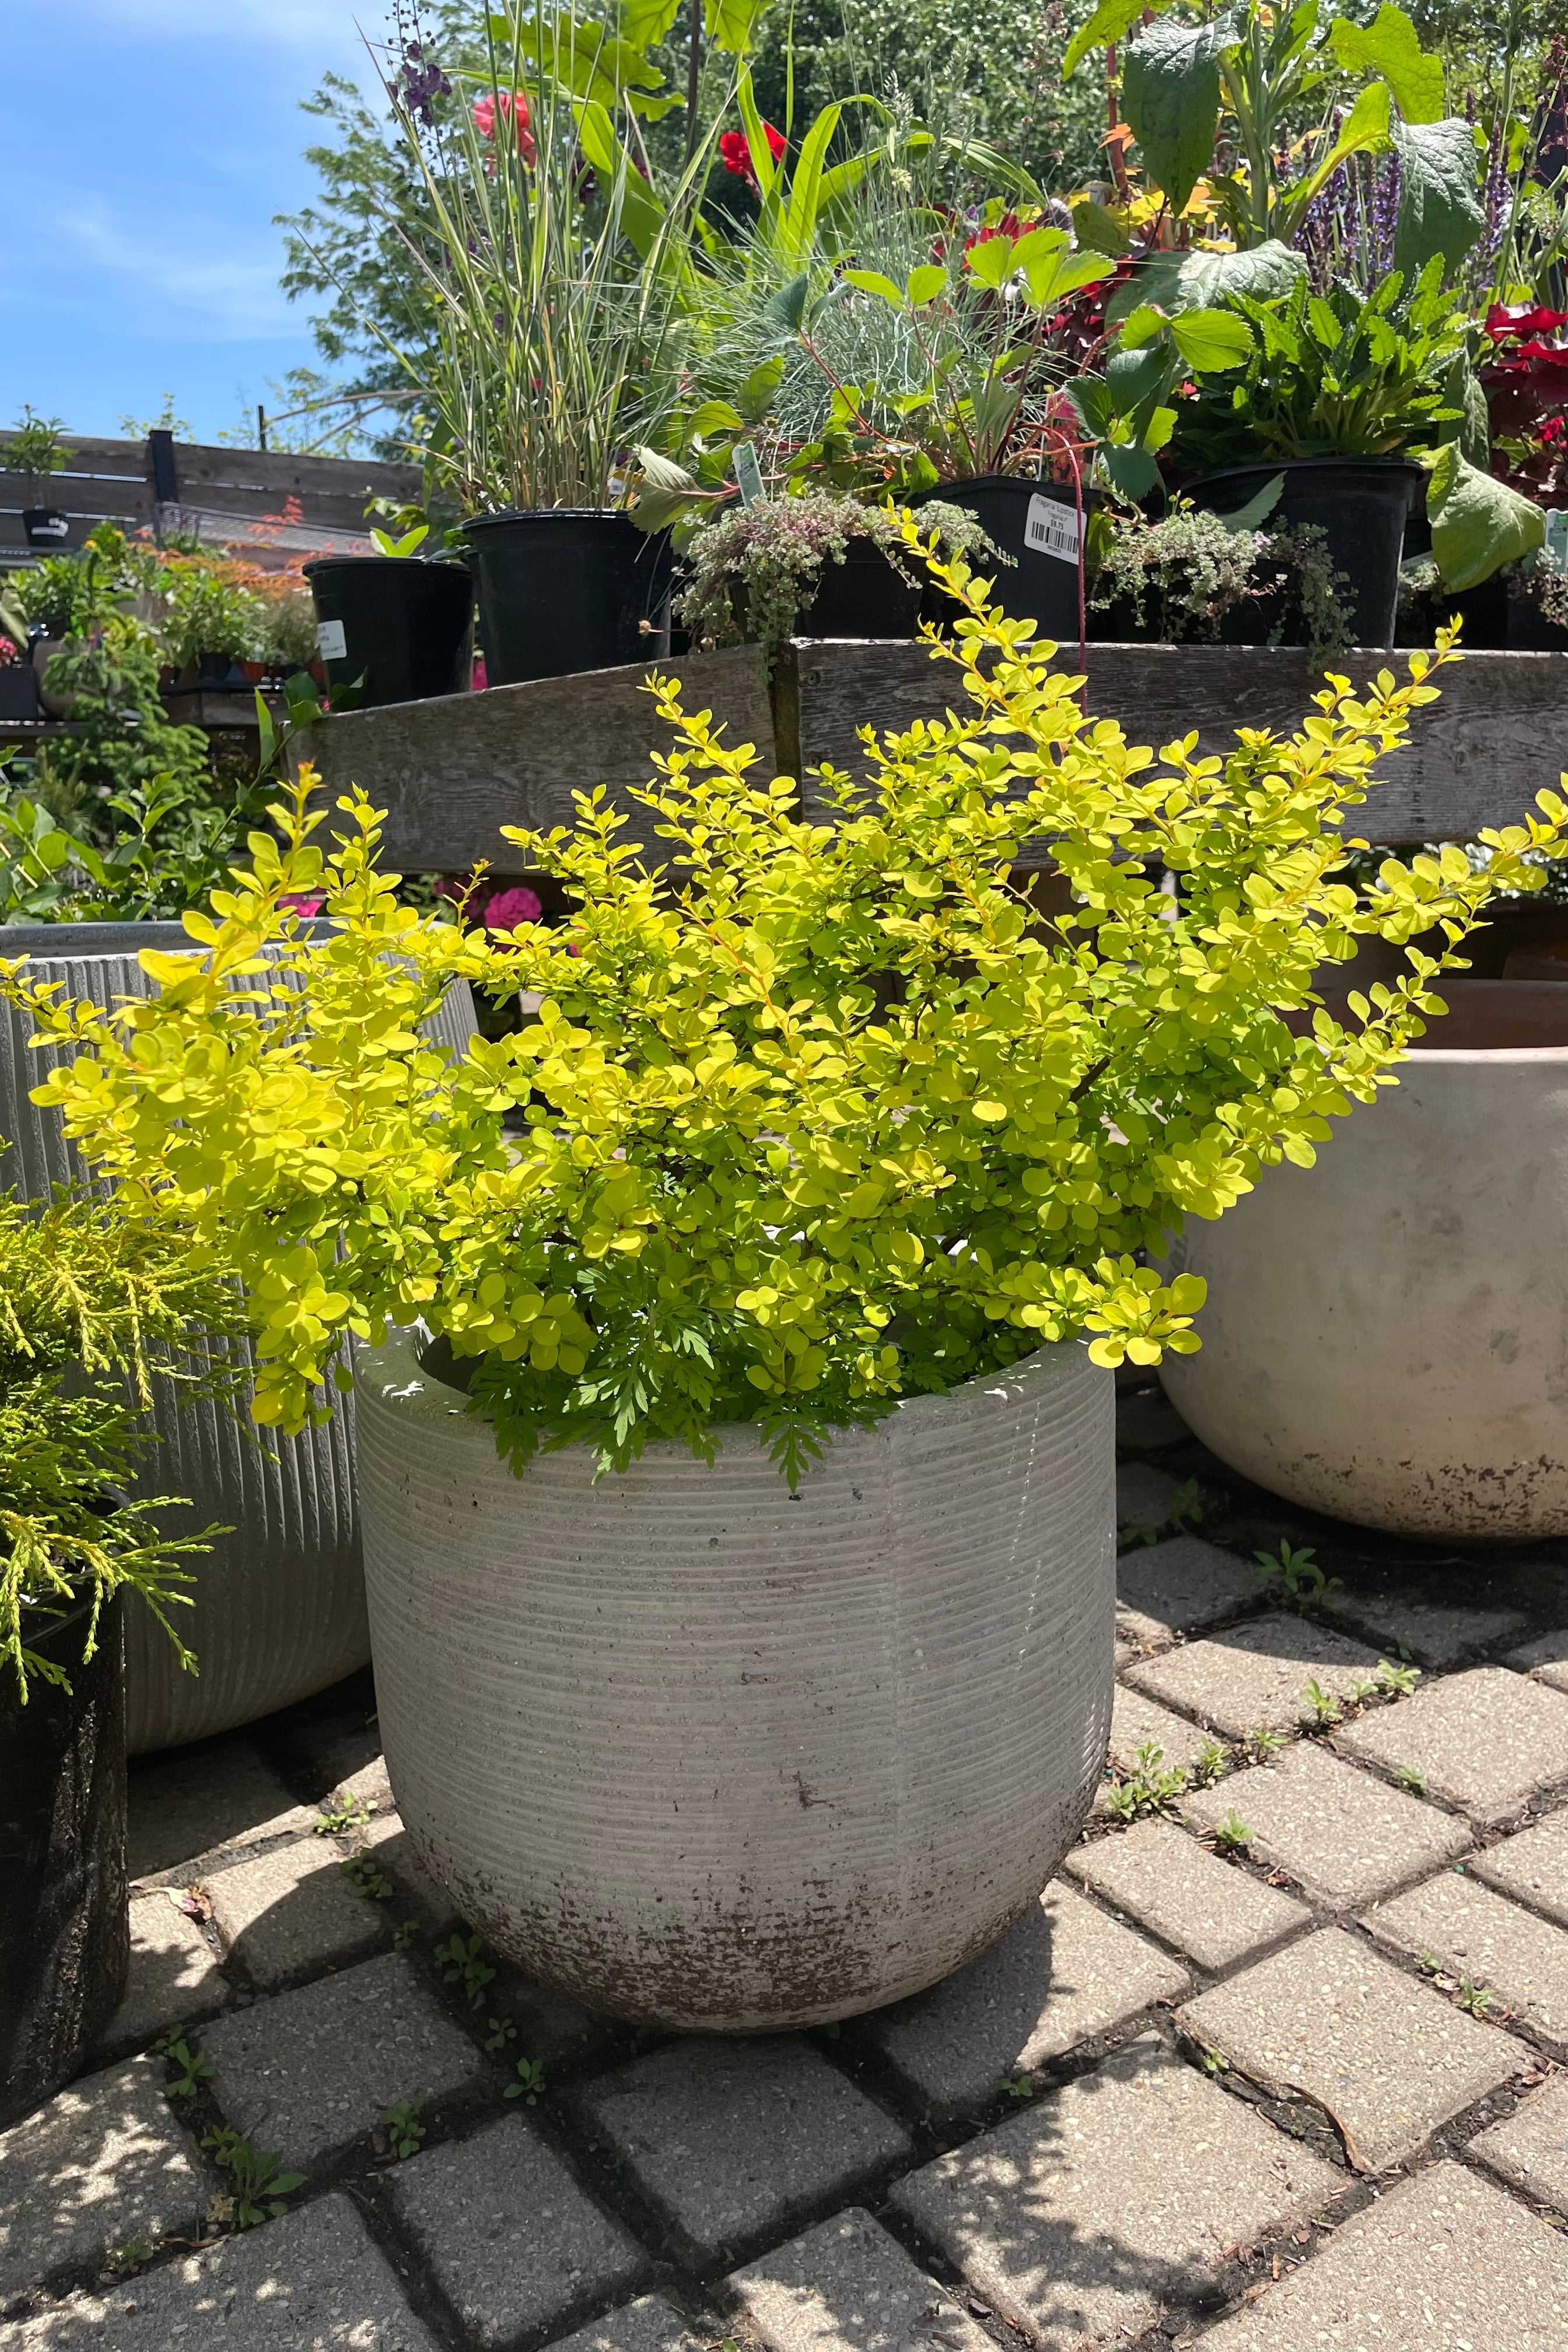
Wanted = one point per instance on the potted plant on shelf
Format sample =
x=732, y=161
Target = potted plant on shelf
x=93, y=1301
x=821, y=1234
x=402, y=622
x=35, y=448
x=1195, y=577
x=813, y=565
x=555, y=280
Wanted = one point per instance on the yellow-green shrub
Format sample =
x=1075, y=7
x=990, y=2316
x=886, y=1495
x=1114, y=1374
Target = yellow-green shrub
x=816, y=1114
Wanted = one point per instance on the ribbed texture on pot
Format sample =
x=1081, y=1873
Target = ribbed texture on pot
x=706, y=1754
x=279, y=1603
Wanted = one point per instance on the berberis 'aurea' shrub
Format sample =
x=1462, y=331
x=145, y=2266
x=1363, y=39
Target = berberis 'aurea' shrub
x=815, y=1113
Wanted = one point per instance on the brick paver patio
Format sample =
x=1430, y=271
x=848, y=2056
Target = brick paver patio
x=1271, y=2067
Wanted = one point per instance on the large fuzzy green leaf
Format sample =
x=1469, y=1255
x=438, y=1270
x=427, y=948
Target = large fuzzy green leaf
x=1201, y=281
x=1479, y=524
x=1390, y=47
x=1439, y=195
x=1170, y=95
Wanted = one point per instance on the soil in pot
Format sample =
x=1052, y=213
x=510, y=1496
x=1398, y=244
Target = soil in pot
x=567, y=589
x=1036, y=524
x=63, y=1925
x=1359, y=504
x=406, y=627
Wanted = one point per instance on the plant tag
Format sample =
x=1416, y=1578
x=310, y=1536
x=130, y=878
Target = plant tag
x=330, y=642
x=1052, y=529
x=1556, y=547
x=748, y=474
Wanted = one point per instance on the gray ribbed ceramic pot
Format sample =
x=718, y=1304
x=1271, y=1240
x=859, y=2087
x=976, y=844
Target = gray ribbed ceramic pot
x=280, y=1603
x=711, y=1757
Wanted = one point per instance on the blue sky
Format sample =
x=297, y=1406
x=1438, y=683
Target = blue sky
x=147, y=145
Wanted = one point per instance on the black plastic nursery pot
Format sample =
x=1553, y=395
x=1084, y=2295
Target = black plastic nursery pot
x=1529, y=630
x=864, y=597
x=1359, y=504
x=564, y=589
x=65, y=1937
x=406, y=627
x=46, y=526
x=1037, y=523
x=19, y=691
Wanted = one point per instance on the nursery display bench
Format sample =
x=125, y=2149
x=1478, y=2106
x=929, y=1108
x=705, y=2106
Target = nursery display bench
x=451, y=771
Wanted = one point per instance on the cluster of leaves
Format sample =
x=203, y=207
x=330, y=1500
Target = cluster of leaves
x=812, y=1115
x=94, y=1303
x=257, y=2191
x=1183, y=576
x=749, y=576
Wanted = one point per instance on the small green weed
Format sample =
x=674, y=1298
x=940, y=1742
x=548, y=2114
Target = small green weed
x=1474, y=1999
x=1151, y=1786
x=530, y=2083
x=1232, y=1835
x=1411, y=1776
x=1188, y=1508
x=366, y=1877
x=258, y=2191
x=402, y=2125
x=1018, y=2087
x=338, y=1821
x=1211, y=1764
x=501, y=2031
x=1397, y=1682
x=402, y=1935
x=132, y=2256
x=194, y=2067
x=1296, y=1567
x=464, y=1963
x=1324, y=1706
x=1264, y=1745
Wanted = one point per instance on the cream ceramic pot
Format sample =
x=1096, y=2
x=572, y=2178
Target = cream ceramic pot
x=712, y=1755
x=1386, y=1336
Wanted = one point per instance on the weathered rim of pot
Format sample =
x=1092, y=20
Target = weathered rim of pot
x=415, y=564
x=426, y=1345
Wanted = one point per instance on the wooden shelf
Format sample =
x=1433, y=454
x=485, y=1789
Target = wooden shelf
x=450, y=772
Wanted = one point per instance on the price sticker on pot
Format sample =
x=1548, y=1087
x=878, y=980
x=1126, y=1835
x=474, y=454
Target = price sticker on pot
x=330, y=642
x=1052, y=529
x=748, y=474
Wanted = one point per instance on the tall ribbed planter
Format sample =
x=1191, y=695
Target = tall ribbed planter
x=1386, y=1336
x=713, y=1756
x=279, y=1602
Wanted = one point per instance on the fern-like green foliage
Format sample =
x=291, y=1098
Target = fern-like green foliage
x=94, y=1304
x=816, y=1111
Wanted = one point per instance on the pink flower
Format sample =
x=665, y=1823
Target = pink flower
x=296, y=903
x=514, y=107
x=509, y=908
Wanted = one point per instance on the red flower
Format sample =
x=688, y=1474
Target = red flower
x=297, y=903
x=513, y=106
x=510, y=908
x=1506, y=319
x=1009, y=225
x=735, y=153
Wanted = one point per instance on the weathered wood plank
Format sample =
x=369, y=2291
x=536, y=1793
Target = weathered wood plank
x=1477, y=757
x=450, y=772
x=199, y=466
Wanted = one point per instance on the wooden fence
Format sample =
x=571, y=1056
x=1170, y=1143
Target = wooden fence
x=451, y=773
x=265, y=504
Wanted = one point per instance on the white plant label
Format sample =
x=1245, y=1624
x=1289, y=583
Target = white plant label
x=748, y=474
x=330, y=642
x=1556, y=547
x=1052, y=529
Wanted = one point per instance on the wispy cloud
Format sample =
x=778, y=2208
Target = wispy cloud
x=174, y=277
